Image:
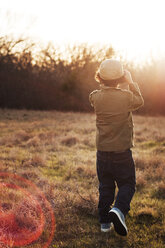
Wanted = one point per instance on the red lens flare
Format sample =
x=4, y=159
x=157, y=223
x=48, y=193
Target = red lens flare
x=26, y=216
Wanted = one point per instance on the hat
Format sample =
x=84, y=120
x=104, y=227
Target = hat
x=111, y=69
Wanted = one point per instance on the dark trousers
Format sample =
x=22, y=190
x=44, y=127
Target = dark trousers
x=115, y=168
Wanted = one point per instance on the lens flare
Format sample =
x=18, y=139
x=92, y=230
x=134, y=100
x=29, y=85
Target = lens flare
x=26, y=216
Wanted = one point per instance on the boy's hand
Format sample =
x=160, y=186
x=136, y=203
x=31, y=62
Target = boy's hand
x=127, y=76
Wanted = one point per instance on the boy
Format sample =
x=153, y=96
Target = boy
x=114, y=138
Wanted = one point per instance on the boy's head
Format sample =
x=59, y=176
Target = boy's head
x=110, y=73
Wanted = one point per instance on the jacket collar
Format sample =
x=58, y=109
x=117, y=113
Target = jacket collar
x=102, y=86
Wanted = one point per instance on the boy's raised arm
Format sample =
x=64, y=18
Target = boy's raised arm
x=136, y=99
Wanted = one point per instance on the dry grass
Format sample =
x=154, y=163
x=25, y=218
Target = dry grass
x=56, y=151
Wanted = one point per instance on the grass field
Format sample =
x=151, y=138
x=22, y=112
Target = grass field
x=56, y=151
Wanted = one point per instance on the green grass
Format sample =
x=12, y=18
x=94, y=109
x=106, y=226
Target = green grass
x=56, y=151
x=152, y=144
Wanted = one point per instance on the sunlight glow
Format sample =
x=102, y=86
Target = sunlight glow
x=133, y=27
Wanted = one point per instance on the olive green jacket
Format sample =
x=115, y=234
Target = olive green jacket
x=113, y=108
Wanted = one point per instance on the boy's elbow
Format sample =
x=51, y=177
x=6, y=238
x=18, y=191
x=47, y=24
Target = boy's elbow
x=141, y=101
x=138, y=103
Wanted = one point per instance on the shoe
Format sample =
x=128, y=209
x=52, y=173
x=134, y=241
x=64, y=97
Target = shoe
x=106, y=227
x=118, y=220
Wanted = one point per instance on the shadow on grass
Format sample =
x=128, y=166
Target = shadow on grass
x=110, y=240
x=147, y=217
x=159, y=193
x=96, y=239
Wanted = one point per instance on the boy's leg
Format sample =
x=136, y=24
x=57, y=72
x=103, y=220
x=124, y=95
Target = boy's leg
x=126, y=181
x=106, y=186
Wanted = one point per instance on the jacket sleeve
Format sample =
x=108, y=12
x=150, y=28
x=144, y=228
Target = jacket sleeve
x=136, y=100
x=91, y=97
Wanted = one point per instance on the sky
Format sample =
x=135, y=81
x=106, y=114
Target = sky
x=133, y=27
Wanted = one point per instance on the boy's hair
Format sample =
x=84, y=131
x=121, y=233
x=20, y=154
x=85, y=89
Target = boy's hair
x=113, y=82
